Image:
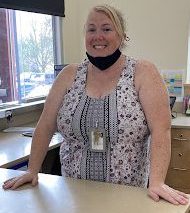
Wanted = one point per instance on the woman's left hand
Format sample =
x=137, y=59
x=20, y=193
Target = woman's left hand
x=167, y=193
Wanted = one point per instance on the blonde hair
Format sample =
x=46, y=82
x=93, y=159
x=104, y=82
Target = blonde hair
x=117, y=19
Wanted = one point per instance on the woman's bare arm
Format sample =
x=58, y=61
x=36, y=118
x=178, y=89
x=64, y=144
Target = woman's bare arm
x=45, y=128
x=155, y=102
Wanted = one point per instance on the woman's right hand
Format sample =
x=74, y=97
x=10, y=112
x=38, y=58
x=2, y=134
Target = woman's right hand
x=18, y=181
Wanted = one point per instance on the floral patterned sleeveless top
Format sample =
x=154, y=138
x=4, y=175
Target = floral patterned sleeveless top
x=126, y=158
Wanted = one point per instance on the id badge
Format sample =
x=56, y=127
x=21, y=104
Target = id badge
x=97, y=139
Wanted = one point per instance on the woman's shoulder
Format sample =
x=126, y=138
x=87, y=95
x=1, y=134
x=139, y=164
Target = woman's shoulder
x=142, y=66
x=67, y=75
x=71, y=69
x=68, y=69
x=145, y=66
x=146, y=71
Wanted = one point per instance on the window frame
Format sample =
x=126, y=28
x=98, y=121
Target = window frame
x=57, y=27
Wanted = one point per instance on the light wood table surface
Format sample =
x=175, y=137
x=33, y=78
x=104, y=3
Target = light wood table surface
x=55, y=194
x=15, y=148
x=181, y=121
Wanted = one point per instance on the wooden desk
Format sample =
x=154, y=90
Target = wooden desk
x=58, y=194
x=178, y=175
x=15, y=148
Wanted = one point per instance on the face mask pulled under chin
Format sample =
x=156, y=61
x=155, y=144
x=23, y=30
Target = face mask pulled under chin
x=103, y=63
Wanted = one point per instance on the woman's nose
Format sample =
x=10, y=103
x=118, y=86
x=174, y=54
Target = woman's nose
x=99, y=35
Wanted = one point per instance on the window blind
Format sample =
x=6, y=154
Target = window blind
x=50, y=7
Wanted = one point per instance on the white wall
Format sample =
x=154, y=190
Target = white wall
x=158, y=30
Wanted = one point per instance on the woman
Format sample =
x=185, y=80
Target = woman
x=113, y=113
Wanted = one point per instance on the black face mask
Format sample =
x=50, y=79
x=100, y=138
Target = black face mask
x=104, y=62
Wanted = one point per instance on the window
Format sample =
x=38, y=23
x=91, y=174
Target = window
x=27, y=55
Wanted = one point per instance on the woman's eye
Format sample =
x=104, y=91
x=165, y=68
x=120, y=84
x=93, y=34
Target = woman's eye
x=106, y=29
x=91, y=30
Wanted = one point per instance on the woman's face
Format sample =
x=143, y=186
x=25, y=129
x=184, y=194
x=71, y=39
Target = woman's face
x=101, y=37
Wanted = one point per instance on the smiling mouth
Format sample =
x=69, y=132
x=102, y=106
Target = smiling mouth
x=99, y=46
